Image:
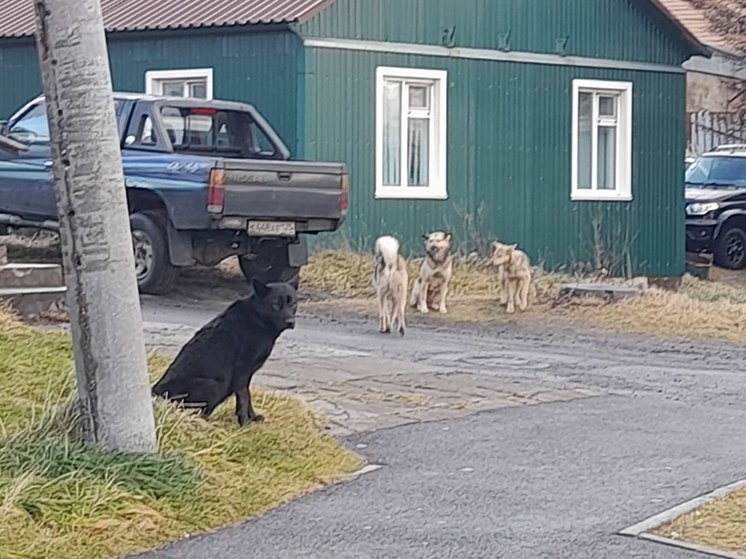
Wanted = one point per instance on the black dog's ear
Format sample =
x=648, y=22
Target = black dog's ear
x=425, y=237
x=449, y=236
x=260, y=288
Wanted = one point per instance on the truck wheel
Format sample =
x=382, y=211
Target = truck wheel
x=270, y=265
x=730, y=251
x=153, y=268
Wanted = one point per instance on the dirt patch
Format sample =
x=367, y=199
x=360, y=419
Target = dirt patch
x=338, y=281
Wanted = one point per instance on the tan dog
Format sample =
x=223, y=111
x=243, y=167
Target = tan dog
x=514, y=274
x=390, y=280
x=431, y=286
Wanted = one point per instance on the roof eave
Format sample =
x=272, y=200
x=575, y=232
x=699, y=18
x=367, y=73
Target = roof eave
x=698, y=48
x=257, y=25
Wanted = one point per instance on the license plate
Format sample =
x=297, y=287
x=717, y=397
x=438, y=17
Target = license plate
x=272, y=228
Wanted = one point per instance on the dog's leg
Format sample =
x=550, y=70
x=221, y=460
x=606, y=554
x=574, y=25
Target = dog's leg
x=253, y=416
x=386, y=314
x=512, y=289
x=523, y=294
x=423, y=297
x=244, y=410
x=401, y=311
x=502, y=278
x=380, y=313
x=442, y=302
x=203, y=395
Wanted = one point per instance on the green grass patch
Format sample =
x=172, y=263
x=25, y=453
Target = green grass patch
x=62, y=498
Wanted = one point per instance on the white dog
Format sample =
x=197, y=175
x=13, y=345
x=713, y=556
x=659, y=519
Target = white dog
x=431, y=286
x=514, y=273
x=390, y=280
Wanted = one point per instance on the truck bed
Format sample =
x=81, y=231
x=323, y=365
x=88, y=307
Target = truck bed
x=287, y=190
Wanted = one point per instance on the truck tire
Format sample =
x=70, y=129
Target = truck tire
x=730, y=251
x=153, y=268
x=270, y=265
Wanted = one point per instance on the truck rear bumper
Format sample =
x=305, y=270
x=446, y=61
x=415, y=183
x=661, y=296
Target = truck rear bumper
x=309, y=226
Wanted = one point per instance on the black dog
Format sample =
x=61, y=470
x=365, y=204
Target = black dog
x=222, y=357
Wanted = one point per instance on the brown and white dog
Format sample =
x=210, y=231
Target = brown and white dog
x=390, y=280
x=514, y=273
x=431, y=286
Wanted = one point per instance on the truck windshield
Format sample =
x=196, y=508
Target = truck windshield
x=215, y=130
x=717, y=171
x=33, y=128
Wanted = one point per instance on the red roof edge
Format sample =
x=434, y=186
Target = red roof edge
x=686, y=35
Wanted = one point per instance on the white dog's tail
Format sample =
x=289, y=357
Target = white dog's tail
x=387, y=248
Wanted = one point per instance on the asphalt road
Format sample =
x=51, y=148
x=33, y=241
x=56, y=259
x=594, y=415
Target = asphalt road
x=549, y=480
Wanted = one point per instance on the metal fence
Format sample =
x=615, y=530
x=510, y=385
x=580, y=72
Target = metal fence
x=707, y=130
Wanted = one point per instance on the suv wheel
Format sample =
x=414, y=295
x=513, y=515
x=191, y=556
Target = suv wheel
x=730, y=251
x=153, y=268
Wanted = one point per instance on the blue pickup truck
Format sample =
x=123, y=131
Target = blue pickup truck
x=205, y=180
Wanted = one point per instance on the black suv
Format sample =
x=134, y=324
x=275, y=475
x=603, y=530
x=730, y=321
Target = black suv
x=716, y=205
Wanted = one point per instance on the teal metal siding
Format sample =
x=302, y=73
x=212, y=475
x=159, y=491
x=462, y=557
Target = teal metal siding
x=509, y=137
x=19, y=75
x=614, y=29
x=255, y=67
x=258, y=68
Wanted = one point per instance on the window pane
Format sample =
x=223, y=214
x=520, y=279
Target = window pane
x=419, y=152
x=198, y=90
x=720, y=170
x=607, y=157
x=173, y=89
x=419, y=97
x=607, y=106
x=392, y=133
x=261, y=145
x=585, y=140
x=147, y=136
x=174, y=124
x=208, y=130
x=33, y=127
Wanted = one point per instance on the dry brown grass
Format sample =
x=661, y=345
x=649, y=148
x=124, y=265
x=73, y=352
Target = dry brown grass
x=343, y=272
x=61, y=498
x=347, y=273
x=720, y=524
x=701, y=309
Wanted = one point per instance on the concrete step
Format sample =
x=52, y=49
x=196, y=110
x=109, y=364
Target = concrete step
x=34, y=302
x=604, y=291
x=31, y=275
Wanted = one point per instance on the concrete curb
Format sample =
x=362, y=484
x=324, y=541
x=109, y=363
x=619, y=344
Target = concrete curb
x=691, y=547
x=641, y=529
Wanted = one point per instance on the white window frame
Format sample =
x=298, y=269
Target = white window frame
x=155, y=78
x=437, y=189
x=623, y=179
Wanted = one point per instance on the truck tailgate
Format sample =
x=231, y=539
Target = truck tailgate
x=283, y=189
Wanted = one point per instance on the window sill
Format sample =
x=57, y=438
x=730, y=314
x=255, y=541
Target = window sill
x=408, y=194
x=600, y=197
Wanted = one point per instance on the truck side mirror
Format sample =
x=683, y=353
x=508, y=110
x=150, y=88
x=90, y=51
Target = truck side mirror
x=3, y=127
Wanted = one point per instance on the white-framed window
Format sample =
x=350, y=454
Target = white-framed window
x=411, y=107
x=601, y=140
x=180, y=83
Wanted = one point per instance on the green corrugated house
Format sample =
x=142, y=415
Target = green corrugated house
x=556, y=124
